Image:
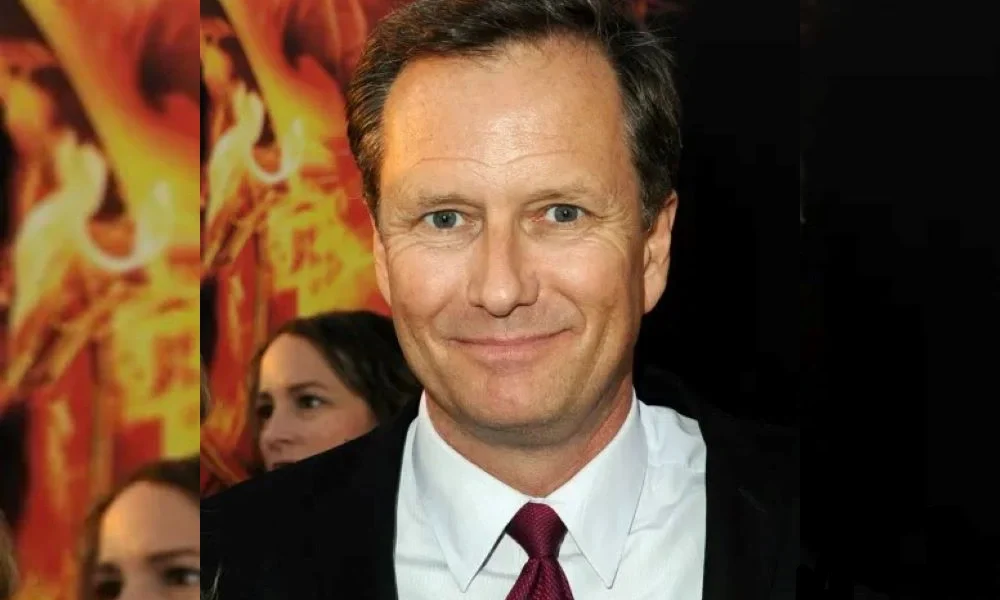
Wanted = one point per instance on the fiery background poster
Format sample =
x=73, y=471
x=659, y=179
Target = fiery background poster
x=285, y=231
x=99, y=261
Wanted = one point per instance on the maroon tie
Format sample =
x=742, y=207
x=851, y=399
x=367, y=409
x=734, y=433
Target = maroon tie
x=539, y=530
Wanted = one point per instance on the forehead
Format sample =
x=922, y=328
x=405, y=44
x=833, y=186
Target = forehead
x=291, y=359
x=528, y=112
x=148, y=518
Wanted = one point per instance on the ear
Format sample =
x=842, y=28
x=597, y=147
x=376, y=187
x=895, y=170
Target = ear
x=378, y=254
x=656, y=254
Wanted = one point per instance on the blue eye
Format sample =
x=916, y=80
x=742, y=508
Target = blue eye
x=563, y=213
x=444, y=219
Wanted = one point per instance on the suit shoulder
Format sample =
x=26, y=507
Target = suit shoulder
x=761, y=458
x=251, y=529
x=286, y=492
x=755, y=450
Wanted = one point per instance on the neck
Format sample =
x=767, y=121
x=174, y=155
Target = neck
x=536, y=469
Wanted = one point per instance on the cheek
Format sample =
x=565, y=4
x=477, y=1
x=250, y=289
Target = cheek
x=593, y=275
x=424, y=280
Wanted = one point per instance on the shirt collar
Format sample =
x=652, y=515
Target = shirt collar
x=599, y=503
x=469, y=509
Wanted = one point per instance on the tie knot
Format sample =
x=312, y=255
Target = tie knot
x=538, y=529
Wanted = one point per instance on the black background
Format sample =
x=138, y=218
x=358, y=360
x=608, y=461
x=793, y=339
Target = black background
x=876, y=324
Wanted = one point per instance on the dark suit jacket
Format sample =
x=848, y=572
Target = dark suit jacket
x=324, y=528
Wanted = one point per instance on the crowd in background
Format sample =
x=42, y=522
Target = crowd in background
x=319, y=382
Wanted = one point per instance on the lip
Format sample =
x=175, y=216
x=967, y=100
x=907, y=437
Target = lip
x=278, y=464
x=508, y=349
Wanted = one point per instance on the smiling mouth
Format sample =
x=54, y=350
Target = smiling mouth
x=508, y=349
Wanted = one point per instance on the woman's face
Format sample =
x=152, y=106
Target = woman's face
x=302, y=405
x=149, y=546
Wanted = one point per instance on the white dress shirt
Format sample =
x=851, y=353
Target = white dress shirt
x=635, y=517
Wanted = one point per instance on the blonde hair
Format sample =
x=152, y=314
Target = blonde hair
x=8, y=565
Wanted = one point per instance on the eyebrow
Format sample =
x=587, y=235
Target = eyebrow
x=305, y=385
x=111, y=568
x=428, y=202
x=295, y=388
x=106, y=568
x=168, y=555
x=424, y=202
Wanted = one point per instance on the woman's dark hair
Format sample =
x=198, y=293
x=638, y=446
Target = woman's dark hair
x=8, y=564
x=362, y=350
x=183, y=475
x=483, y=28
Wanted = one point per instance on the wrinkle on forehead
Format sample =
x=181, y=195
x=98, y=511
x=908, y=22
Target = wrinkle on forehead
x=460, y=109
x=490, y=165
x=477, y=169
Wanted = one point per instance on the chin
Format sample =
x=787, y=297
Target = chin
x=511, y=404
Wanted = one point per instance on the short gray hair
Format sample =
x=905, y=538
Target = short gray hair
x=482, y=28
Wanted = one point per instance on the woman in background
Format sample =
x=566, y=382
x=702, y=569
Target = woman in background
x=8, y=566
x=323, y=380
x=143, y=541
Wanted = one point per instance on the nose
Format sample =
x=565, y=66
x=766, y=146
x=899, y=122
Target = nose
x=502, y=279
x=277, y=435
x=139, y=588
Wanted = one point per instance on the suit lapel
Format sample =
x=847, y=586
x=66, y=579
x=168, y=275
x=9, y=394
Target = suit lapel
x=371, y=573
x=750, y=480
x=740, y=537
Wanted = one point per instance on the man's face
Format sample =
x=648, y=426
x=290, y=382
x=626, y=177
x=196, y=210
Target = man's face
x=511, y=245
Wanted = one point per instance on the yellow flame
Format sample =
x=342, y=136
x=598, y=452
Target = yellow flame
x=237, y=296
x=219, y=76
x=62, y=254
x=305, y=104
x=317, y=102
x=36, y=588
x=157, y=366
x=99, y=46
x=238, y=195
x=57, y=435
x=58, y=227
x=233, y=156
x=28, y=113
x=44, y=249
x=311, y=250
x=52, y=240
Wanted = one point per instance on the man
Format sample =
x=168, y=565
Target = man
x=519, y=161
